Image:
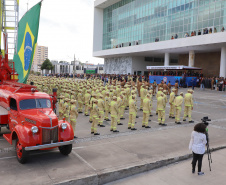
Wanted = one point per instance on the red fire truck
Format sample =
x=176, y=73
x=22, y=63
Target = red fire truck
x=29, y=116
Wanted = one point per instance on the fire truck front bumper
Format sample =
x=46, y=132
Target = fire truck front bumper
x=51, y=145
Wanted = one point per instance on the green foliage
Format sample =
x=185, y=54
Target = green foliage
x=47, y=65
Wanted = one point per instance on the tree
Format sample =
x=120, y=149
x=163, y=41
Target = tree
x=47, y=65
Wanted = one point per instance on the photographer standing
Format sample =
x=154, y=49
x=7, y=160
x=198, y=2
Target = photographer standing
x=197, y=145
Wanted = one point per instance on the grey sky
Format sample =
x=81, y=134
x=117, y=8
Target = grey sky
x=66, y=27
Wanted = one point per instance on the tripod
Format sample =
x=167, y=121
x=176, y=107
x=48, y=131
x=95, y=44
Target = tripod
x=208, y=150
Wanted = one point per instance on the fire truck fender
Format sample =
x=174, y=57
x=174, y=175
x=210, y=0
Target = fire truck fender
x=23, y=134
x=68, y=133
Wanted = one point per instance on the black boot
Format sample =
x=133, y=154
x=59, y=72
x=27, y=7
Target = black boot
x=133, y=129
x=120, y=124
x=102, y=125
x=115, y=131
x=96, y=134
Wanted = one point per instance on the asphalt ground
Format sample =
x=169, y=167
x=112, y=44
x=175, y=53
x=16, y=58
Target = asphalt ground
x=95, y=155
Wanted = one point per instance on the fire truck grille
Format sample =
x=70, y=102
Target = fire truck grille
x=49, y=135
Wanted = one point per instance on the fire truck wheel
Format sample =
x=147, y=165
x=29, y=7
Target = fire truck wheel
x=21, y=153
x=65, y=150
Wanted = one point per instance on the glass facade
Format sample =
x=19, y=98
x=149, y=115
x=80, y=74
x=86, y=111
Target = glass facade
x=133, y=22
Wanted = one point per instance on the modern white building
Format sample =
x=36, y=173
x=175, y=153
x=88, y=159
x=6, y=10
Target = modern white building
x=133, y=34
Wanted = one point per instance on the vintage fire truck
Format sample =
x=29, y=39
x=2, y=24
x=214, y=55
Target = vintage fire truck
x=29, y=116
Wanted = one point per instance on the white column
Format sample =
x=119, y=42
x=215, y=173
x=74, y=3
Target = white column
x=223, y=62
x=191, y=62
x=167, y=59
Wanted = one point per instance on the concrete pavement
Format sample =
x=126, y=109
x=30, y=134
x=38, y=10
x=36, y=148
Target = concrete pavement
x=110, y=156
x=180, y=173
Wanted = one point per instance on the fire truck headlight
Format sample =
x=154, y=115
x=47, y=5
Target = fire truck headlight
x=34, y=129
x=64, y=126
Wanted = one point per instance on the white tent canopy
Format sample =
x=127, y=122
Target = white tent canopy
x=172, y=68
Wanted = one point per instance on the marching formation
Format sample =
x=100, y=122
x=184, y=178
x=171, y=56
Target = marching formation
x=109, y=101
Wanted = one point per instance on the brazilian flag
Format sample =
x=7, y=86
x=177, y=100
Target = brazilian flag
x=27, y=41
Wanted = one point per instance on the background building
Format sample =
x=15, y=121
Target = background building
x=133, y=34
x=76, y=67
x=41, y=54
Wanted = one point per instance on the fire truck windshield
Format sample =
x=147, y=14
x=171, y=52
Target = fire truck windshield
x=34, y=104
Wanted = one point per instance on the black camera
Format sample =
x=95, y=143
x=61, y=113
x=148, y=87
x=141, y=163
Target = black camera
x=205, y=119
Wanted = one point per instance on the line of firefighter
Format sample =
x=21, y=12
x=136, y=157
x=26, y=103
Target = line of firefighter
x=101, y=100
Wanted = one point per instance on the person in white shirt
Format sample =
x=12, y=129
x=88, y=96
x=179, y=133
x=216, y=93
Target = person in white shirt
x=197, y=145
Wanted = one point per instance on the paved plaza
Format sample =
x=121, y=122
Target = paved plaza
x=112, y=156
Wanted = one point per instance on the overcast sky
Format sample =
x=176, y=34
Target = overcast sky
x=66, y=27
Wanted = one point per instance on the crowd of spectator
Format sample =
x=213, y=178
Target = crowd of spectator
x=177, y=73
x=205, y=31
x=212, y=83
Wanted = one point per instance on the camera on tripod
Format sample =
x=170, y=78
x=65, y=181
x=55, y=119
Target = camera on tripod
x=205, y=120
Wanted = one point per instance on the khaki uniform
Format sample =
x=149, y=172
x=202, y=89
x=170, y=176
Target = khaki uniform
x=101, y=111
x=87, y=99
x=80, y=102
x=158, y=95
x=114, y=114
x=161, y=104
x=172, y=106
x=178, y=103
x=188, y=105
x=132, y=113
x=146, y=111
x=142, y=92
x=66, y=111
x=73, y=116
x=96, y=115
x=107, y=107
x=119, y=104
x=122, y=107
x=61, y=112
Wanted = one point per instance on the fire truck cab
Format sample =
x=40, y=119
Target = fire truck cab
x=29, y=116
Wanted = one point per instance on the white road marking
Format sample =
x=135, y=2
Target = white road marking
x=83, y=160
x=7, y=157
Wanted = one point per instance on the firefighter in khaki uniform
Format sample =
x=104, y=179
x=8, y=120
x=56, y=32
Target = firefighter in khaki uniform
x=119, y=103
x=96, y=116
x=73, y=115
x=114, y=113
x=171, y=102
x=151, y=100
x=146, y=111
x=107, y=106
x=178, y=104
x=87, y=99
x=188, y=105
x=158, y=95
x=80, y=101
x=142, y=96
x=161, y=104
x=132, y=113
x=101, y=110
x=61, y=104
x=123, y=105
x=91, y=107
x=66, y=109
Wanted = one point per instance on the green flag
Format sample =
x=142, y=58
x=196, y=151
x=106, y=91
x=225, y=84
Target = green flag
x=26, y=43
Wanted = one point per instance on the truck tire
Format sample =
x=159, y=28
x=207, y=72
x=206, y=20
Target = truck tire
x=65, y=150
x=21, y=153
